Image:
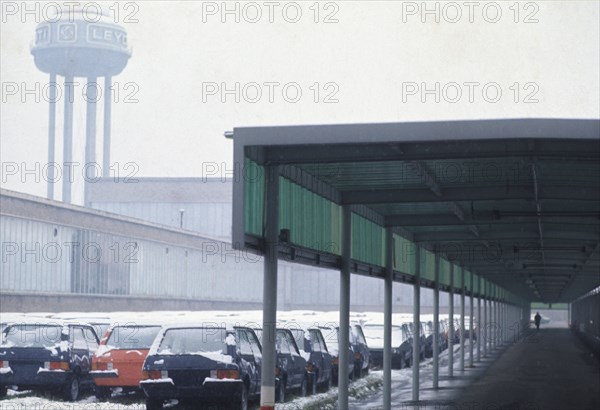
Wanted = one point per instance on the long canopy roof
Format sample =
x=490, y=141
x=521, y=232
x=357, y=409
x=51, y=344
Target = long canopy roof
x=516, y=201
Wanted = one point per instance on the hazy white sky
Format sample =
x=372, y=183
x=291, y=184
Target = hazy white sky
x=370, y=61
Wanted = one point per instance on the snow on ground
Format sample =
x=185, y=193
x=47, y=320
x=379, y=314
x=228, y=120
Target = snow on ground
x=41, y=403
x=365, y=393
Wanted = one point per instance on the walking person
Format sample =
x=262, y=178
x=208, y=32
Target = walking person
x=538, y=320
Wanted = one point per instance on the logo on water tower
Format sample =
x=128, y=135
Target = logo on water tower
x=67, y=33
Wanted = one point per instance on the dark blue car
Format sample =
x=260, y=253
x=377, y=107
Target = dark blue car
x=362, y=354
x=291, y=371
x=47, y=355
x=217, y=365
x=409, y=326
x=314, y=348
x=330, y=332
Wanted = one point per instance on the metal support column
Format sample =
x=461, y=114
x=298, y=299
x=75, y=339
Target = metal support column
x=491, y=321
x=492, y=324
x=479, y=322
x=494, y=328
x=506, y=322
x=451, y=323
x=89, y=172
x=68, y=140
x=485, y=322
x=510, y=337
x=497, y=321
x=503, y=321
x=51, y=135
x=344, y=332
x=436, y=322
x=107, y=119
x=387, y=320
x=471, y=325
x=462, y=320
x=267, y=388
x=416, y=325
x=511, y=312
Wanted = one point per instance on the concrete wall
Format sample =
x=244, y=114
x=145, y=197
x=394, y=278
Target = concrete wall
x=23, y=302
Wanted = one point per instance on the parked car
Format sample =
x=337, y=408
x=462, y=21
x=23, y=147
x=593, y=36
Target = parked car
x=401, y=345
x=361, y=350
x=470, y=333
x=10, y=318
x=427, y=322
x=331, y=335
x=118, y=362
x=422, y=346
x=214, y=364
x=313, y=347
x=47, y=355
x=99, y=322
x=427, y=329
x=443, y=335
x=291, y=367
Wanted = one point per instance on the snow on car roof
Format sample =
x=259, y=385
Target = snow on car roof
x=79, y=315
x=45, y=321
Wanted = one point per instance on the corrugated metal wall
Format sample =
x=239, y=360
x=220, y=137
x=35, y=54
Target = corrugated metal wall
x=212, y=219
x=368, y=241
x=314, y=222
x=35, y=256
x=254, y=194
x=42, y=257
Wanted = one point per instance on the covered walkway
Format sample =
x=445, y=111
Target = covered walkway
x=500, y=213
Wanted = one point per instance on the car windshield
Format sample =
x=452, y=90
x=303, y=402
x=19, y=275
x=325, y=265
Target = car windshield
x=375, y=332
x=331, y=338
x=132, y=337
x=258, y=334
x=33, y=335
x=298, y=337
x=193, y=340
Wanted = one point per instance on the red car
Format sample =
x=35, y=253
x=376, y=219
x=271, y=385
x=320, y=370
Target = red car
x=119, y=360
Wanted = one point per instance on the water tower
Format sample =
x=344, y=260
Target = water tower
x=80, y=43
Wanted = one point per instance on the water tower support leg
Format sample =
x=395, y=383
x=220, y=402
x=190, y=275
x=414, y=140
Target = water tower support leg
x=90, y=174
x=106, y=139
x=68, y=140
x=51, y=135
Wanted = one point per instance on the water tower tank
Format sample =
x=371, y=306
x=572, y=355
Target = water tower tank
x=81, y=43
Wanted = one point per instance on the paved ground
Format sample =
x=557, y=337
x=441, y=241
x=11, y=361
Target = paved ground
x=549, y=369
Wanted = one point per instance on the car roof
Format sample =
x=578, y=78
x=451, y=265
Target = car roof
x=204, y=325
